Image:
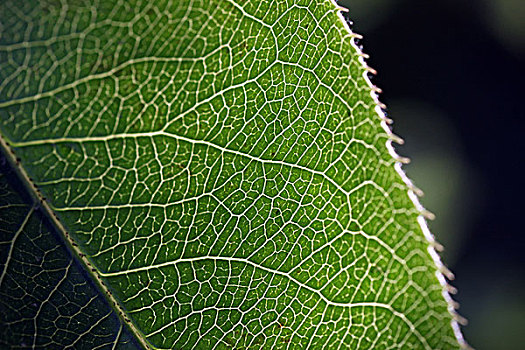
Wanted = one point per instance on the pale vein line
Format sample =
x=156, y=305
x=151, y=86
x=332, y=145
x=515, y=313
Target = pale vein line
x=117, y=338
x=98, y=76
x=88, y=332
x=276, y=272
x=229, y=259
x=20, y=229
x=202, y=142
x=47, y=300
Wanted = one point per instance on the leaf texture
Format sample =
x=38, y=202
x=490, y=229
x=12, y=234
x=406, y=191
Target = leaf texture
x=225, y=170
x=46, y=301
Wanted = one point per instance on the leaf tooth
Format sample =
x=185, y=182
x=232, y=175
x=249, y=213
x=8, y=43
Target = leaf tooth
x=460, y=319
x=417, y=191
x=377, y=90
x=401, y=159
x=397, y=139
x=437, y=246
x=445, y=271
x=393, y=153
x=371, y=70
x=451, y=289
x=453, y=305
x=428, y=214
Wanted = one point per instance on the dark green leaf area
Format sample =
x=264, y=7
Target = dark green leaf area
x=46, y=299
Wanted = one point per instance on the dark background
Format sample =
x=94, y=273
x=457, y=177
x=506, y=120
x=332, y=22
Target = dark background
x=452, y=74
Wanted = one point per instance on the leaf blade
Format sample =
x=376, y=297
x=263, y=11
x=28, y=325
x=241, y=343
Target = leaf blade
x=255, y=152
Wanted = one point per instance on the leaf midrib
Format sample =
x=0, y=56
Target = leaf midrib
x=39, y=202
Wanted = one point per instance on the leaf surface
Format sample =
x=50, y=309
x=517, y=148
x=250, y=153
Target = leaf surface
x=46, y=301
x=226, y=171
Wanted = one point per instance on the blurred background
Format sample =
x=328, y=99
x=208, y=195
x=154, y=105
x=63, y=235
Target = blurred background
x=452, y=74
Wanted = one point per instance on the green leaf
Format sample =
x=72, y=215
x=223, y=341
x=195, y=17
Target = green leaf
x=223, y=171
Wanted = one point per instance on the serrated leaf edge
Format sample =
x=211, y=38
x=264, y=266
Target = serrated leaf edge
x=443, y=274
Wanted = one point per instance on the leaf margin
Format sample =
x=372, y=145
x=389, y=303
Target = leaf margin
x=443, y=274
